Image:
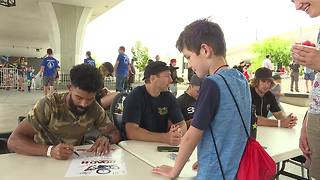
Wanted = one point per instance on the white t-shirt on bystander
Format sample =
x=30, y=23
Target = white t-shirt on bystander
x=267, y=63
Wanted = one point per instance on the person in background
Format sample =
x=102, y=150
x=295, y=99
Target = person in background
x=242, y=64
x=30, y=76
x=174, y=76
x=89, y=59
x=267, y=62
x=216, y=110
x=121, y=69
x=309, y=75
x=21, y=73
x=187, y=101
x=131, y=78
x=245, y=72
x=59, y=121
x=294, y=68
x=49, y=68
x=157, y=58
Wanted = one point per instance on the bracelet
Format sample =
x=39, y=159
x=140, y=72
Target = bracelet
x=49, y=151
x=279, y=123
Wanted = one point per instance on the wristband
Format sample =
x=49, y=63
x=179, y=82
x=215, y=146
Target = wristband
x=279, y=123
x=49, y=151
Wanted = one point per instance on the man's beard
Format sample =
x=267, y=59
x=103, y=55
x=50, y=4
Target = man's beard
x=76, y=110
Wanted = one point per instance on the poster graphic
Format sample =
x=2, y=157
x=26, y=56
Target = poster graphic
x=87, y=164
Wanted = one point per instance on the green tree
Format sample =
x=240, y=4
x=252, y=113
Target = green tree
x=140, y=55
x=277, y=47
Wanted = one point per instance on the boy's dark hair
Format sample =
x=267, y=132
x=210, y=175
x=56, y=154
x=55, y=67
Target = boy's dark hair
x=86, y=77
x=49, y=51
x=267, y=56
x=200, y=32
x=122, y=48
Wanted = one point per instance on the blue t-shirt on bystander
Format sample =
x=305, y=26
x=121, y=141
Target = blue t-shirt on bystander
x=50, y=65
x=123, y=65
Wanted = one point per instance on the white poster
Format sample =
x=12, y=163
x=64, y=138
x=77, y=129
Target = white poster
x=89, y=165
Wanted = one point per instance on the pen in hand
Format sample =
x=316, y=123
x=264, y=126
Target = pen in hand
x=74, y=152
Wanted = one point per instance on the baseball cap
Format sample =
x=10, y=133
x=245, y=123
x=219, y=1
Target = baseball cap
x=154, y=67
x=263, y=73
x=195, y=80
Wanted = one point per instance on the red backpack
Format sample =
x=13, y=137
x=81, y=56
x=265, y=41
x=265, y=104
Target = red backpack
x=255, y=164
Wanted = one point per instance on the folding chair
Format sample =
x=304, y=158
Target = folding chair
x=3, y=146
x=299, y=161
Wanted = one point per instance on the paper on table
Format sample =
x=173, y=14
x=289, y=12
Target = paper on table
x=89, y=165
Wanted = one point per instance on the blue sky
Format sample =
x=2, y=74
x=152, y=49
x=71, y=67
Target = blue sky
x=158, y=23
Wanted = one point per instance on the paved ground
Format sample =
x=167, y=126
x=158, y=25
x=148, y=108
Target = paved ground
x=14, y=104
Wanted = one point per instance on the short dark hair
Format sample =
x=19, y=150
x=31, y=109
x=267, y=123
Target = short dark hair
x=86, y=77
x=49, y=51
x=199, y=32
x=122, y=48
x=267, y=56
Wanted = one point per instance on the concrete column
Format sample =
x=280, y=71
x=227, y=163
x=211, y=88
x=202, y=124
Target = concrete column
x=68, y=25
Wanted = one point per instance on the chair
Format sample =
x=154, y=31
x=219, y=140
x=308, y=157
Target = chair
x=116, y=110
x=3, y=146
x=299, y=161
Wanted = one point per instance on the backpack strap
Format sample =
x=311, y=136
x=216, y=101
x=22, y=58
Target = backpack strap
x=214, y=141
x=234, y=99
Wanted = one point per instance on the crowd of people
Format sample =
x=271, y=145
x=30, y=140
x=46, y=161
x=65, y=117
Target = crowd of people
x=207, y=109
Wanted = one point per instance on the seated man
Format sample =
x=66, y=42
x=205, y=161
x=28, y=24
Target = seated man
x=187, y=101
x=59, y=121
x=264, y=101
x=149, y=109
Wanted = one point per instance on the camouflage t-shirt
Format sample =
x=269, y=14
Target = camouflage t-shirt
x=55, y=123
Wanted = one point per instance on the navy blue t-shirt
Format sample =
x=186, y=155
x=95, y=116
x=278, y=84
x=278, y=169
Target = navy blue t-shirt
x=90, y=61
x=187, y=105
x=123, y=68
x=50, y=66
x=206, y=105
x=264, y=104
x=151, y=113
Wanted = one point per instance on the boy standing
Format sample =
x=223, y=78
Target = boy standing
x=203, y=45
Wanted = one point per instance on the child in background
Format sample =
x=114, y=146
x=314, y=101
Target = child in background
x=30, y=76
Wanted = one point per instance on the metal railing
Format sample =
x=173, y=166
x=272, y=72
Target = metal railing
x=8, y=78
